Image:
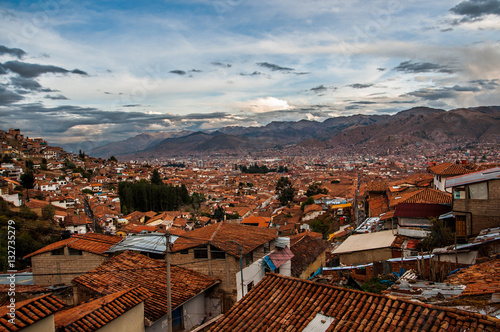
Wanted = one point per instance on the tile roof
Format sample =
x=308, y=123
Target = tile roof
x=95, y=314
x=90, y=242
x=448, y=169
x=426, y=195
x=280, y=303
x=131, y=269
x=306, y=250
x=29, y=312
x=379, y=186
x=222, y=234
x=259, y=221
x=479, y=279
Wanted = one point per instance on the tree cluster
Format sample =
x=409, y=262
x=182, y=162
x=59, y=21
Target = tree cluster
x=284, y=190
x=256, y=169
x=315, y=189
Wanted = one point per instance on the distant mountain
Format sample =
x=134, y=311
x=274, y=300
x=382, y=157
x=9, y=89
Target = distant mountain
x=133, y=144
x=416, y=128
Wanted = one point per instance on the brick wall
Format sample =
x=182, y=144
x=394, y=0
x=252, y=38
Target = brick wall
x=483, y=213
x=51, y=269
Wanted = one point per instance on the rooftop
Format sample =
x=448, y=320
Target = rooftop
x=368, y=241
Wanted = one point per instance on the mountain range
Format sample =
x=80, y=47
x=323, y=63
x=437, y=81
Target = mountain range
x=413, y=129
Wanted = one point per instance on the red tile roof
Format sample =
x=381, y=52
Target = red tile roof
x=448, y=169
x=479, y=279
x=306, y=250
x=29, y=312
x=221, y=236
x=90, y=242
x=426, y=195
x=131, y=269
x=95, y=314
x=281, y=303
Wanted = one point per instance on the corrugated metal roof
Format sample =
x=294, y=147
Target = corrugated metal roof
x=152, y=243
x=320, y=323
x=489, y=174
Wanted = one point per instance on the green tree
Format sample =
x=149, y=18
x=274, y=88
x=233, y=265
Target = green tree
x=29, y=164
x=284, y=190
x=308, y=201
x=28, y=180
x=156, y=178
x=439, y=236
x=315, y=189
x=113, y=158
x=219, y=213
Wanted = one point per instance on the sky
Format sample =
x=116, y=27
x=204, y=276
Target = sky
x=74, y=71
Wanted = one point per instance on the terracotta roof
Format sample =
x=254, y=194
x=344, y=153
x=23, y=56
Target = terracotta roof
x=95, y=314
x=312, y=207
x=279, y=303
x=131, y=269
x=479, y=279
x=426, y=195
x=221, y=234
x=90, y=242
x=259, y=221
x=375, y=186
x=448, y=169
x=378, y=205
x=29, y=312
x=306, y=250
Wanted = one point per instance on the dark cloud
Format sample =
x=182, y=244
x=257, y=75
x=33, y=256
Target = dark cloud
x=447, y=30
x=380, y=69
x=25, y=83
x=487, y=84
x=360, y=85
x=352, y=107
x=442, y=93
x=273, y=67
x=17, y=52
x=220, y=64
x=363, y=102
x=474, y=9
x=31, y=70
x=196, y=71
x=422, y=67
x=107, y=93
x=8, y=97
x=132, y=105
x=56, y=97
x=255, y=73
x=319, y=89
x=178, y=72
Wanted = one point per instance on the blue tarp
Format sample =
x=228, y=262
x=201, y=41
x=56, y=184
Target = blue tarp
x=320, y=270
x=270, y=263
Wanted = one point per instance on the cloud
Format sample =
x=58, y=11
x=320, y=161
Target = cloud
x=31, y=70
x=255, y=73
x=487, y=84
x=178, y=72
x=268, y=104
x=17, y=52
x=319, y=89
x=220, y=64
x=56, y=97
x=422, y=67
x=25, y=83
x=380, y=69
x=360, y=85
x=442, y=93
x=273, y=67
x=9, y=97
x=475, y=9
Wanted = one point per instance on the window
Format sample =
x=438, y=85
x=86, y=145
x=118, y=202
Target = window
x=478, y=190
x=216, y=253
x=200, y=253
x=184, y=252
x=459, y=193
x=250, y=286
x=57, y=252
x=74, y=252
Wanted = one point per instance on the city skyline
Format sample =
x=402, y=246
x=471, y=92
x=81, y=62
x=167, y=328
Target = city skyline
x=106, y=71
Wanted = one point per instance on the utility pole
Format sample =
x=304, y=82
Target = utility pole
x=169, y=288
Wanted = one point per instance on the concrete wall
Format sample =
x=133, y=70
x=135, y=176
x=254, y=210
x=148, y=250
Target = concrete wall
x=55, y=265
x=45, y=325
x=131, y=321
x=320, y=261
x=194, y=312
x=366, y=256
x=482, y=213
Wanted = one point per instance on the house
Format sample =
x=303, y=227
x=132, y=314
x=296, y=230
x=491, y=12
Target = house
x=309, y=255
x=256, y=221
x=77, y=224
x=33, y=315
x=444, y=171
x=61, y=261
x=366, y=248
x=414, y=218
x=280, y=303
x=192, y=299
x=120, y=311
x=238, y=255
x=476, y=201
